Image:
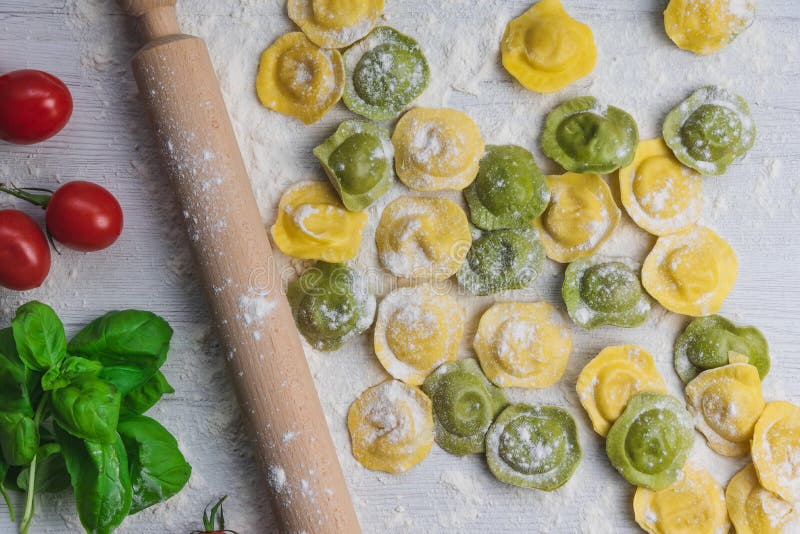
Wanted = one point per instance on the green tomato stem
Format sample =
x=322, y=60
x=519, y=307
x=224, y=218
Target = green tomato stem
x=40, y=200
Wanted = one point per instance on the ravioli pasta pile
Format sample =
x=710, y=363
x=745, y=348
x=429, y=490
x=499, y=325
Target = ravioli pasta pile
x=515, y=218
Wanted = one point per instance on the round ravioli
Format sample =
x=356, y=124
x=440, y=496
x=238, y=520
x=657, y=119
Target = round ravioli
x=533, y=446
x=581, y=216
x=358, y=160
x=335, y=23
x=611, y=378
x=726, y=402
x=331, y=305
x=649, y=442
x=417, y=329
x=658, y=192
x=546, y=50
x=386, y=71
x=297, y=78
x=391, y=427
x=605, y=291
x=713, y=341
x=710, y=129
x=583, y=135
x=423, y=238
x=691, y=272
x=312, y=224
x=776, y=449
x=695, y=504
x=502, y=260
x=509, y=191
x=523, y=344
x=437, y=149
x=706, y=27
x=465, y=403
x=753, y=509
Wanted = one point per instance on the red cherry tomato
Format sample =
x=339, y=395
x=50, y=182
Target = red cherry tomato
x=84, y=216
x=34, y=106
x=24, y=252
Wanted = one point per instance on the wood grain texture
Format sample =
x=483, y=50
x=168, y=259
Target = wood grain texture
x=108, y=141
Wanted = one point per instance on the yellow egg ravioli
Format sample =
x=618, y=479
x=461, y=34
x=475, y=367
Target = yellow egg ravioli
x=581, y=216
x=546, y=50
x=298, y=78
x=417, y=329
x=753, y=509
x=690, y=272
x=611, y=378
x=705, y=27
x=658, y=192
x=313, y=224
x=335, y=23
x=391, y=427
x=423, y=238
x=776, y=449
x=726, y=402
x=695, y=504
x=437, y=149
x=522, y=344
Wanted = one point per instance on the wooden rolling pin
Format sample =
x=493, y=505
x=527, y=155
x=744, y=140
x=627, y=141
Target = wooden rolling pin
x=274, y=385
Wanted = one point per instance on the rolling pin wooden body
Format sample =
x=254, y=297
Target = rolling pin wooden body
x=274, y=385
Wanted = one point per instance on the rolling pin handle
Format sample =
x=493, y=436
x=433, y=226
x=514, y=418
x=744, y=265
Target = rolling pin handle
x=157, y=18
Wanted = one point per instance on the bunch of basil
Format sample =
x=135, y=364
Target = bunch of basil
x=71, y=413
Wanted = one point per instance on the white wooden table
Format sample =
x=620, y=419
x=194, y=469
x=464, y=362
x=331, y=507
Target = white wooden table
x=756, y=207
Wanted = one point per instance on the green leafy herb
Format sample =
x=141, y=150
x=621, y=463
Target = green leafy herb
x=141, y=399
x=69, y=369
x=88, y=408
x=39, y=336
x=14, y=395
x=19, y=437
x=157, y=467
x=51, y=472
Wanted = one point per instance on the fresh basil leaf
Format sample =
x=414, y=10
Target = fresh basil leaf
x=157, y=467
x=39, y=336
x=68, y=370
x=19, y=438
x=14, y=395
x=145, y=396
x=51, y=471
x=88, y=408
x=132, y=345
x=100, y=479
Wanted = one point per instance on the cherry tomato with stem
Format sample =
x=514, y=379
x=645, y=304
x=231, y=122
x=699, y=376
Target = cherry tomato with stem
x=80, y=215
x=34, y=106
x=213, y=523
x=24, y=252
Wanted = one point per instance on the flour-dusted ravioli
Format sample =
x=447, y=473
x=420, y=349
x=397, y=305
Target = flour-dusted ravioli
x=714, y=341
x=437, y=149
x=358, y=159
x=775, y=446
x=313, y=224
x=611, y=378
x=509, y=192
x=605, y=291
x=523, y=344
x=581, y=216
x=754, y=509
x=648, y=444
x=533, y=446
x=705, y=27
x=660, y=194
x=465, y=403
x=546, y=50
x=583, y=135
x=331, y=304
x=391, y=427
x=501, y=260
x=423, y=238
x=691, y=272
x=417, y=329
x=386, y=71
x=297, y=78
x=335, y=23
x=726, y=402
x=710, y=129
x=694, y=504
